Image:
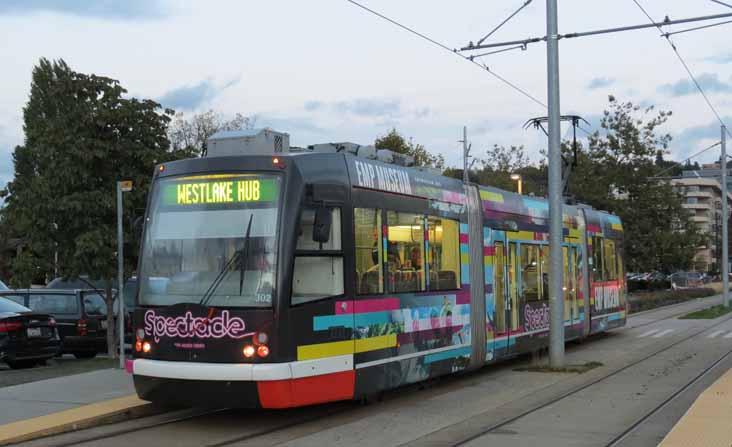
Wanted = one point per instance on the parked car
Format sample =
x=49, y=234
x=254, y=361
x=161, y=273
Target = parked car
x=81, y=282
x=686, y=280
x=27, y=338
x=81, y=316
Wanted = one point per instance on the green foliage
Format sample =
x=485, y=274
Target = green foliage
x=710, y=313
x=395, y=141
x=82, y=135
x=498, y=166
x=616, y=173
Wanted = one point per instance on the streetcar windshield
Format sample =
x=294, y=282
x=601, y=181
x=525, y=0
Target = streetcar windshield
x=211, y=239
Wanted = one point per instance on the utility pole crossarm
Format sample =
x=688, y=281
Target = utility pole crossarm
x=598, y=32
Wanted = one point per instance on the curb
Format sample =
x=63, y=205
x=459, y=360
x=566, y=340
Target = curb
x=114, y=410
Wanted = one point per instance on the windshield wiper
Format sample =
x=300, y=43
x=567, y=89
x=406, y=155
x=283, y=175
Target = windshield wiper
x=227, y=266
x=243, y=259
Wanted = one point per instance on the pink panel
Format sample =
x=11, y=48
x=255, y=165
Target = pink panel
x=463, y=238
x=364, y=306
x=129, y=366
x=463, y=296
x=489, y=251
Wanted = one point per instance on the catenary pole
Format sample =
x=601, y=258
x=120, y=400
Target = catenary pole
x=466, y=176
x=120, y=281
x=556, y=298
x=725, y=248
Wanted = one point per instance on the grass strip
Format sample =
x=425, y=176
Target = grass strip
x=709, y=313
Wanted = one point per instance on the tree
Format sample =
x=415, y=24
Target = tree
x=500, y=163
x=81, y=136
x=616, y=172
x=395, y=141
x=191, y=136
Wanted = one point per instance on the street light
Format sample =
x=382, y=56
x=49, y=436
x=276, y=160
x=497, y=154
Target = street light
x=517, y=177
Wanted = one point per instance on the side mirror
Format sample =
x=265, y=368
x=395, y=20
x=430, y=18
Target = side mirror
x=322, y=224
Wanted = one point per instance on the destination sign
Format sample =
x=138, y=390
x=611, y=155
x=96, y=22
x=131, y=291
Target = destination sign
x=220, y=191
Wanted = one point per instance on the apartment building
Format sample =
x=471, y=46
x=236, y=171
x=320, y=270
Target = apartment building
x=703, y=198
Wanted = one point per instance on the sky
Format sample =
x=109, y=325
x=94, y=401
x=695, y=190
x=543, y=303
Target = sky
x=326, y=70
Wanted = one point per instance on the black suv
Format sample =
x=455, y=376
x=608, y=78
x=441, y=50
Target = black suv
x=81, y=316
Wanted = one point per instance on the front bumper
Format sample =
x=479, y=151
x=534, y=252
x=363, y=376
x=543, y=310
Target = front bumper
x=243, y=385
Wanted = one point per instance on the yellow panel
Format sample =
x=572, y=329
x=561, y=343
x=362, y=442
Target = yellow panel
x=374, y=343
x=491, y=196
x=617, y=227
x=320, y=350
x=575, y=234
x=520, y=235
x=464, y=258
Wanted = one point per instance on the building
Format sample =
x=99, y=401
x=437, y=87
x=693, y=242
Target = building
x=703, y=198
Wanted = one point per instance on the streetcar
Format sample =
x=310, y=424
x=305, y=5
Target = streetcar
x=272, y=277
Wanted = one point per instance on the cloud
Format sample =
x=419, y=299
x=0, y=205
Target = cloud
x=596, y=83
x=191, y=97
x=104, y=9
x=372, y=107
x=696, y=138
x=722, y=58
x=363, y=107
x=709, y=82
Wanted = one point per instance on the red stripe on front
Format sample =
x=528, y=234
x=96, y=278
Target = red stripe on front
x=307, y=390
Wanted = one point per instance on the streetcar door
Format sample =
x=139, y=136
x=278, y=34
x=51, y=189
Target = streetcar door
x=512, y=302
x=573, y=284
x=569, y=286
x=500, y=298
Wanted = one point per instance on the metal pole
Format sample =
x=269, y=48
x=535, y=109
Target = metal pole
x=556, y=298
x=466, y=177
x=725, y=248
x=120, y=282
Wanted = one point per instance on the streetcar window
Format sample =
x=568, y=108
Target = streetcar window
x=611, y=263
x=597, y=268
x=369, y=254
x=530, y=272
x=405, y=252
x=443, y=256
x=316, y=277
x=318, y=271
x=305, y=234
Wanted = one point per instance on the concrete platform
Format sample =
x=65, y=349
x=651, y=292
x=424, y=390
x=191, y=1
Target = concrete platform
x=56, y=405
x=708, y=422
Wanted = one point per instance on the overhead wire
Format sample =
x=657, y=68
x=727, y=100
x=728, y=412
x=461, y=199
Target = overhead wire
x=526, y=3
x=689, y=158
x=696, y=28
x=722, y=3
x=686, y=67
x=452, y=51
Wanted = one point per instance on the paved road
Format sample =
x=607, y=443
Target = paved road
x=644, y=363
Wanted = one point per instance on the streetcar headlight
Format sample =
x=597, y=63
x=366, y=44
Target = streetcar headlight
x=262, y=351
x=146, y=347
x=138, y=346
x=260, y=338
x=248, y=351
